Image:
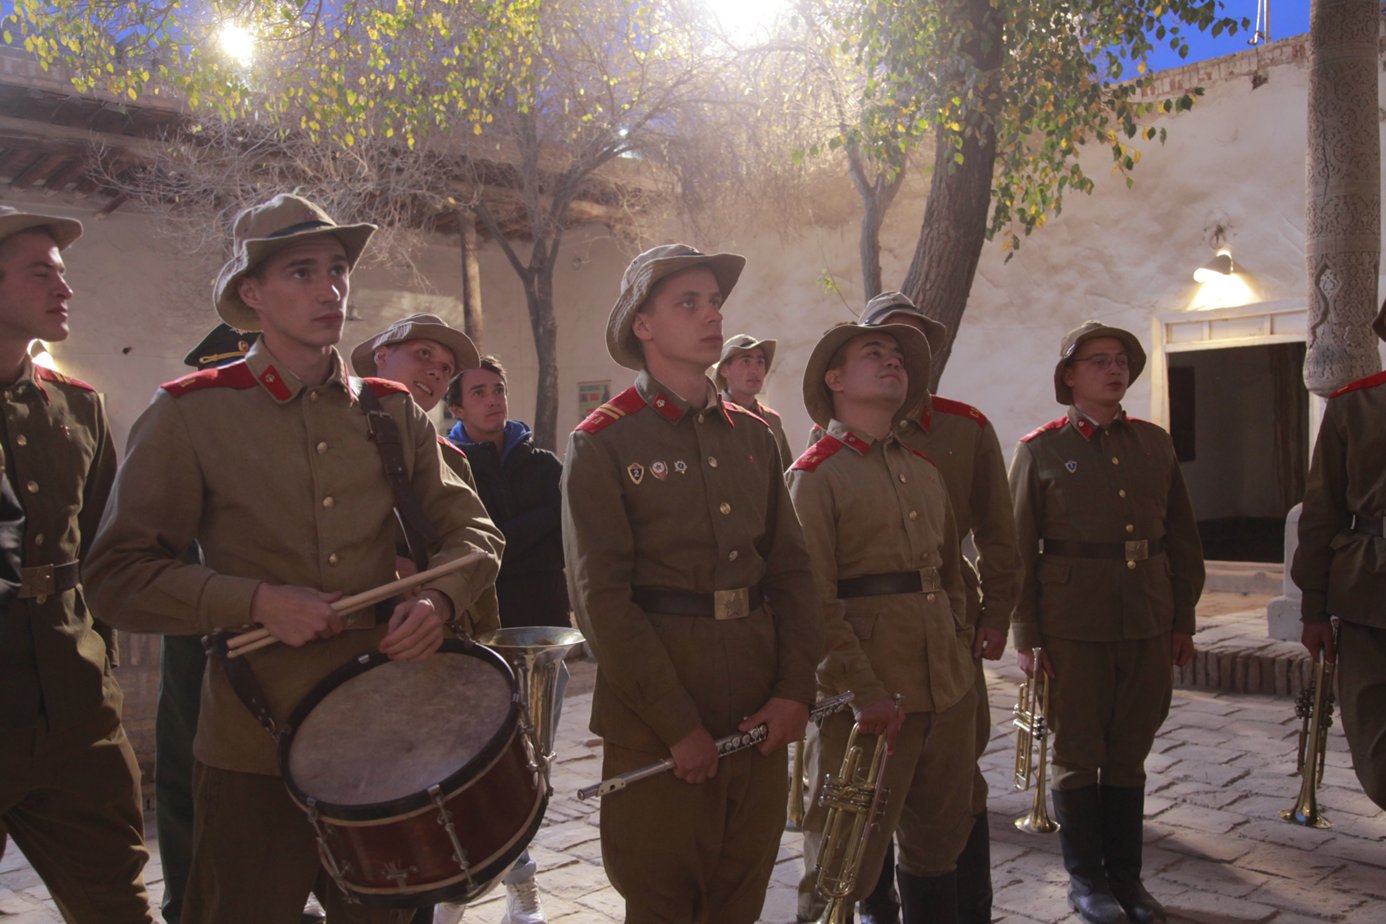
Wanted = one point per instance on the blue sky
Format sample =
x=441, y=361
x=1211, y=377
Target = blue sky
x=1287, y=18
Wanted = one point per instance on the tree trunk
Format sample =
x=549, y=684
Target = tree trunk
x=472, y=317
x=956, y=214
x=1343, y=201
x=539, y=298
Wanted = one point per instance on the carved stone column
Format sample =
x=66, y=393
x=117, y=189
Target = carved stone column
x=1343, y=177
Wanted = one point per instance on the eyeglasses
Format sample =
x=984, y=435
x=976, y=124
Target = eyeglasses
x=1103, y=361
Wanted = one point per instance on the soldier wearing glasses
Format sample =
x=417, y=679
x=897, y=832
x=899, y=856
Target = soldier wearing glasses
x=1112, y=570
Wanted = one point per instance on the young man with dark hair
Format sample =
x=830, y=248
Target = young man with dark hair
x=741, y=375
x=69, y=783
x=269, y=465
x=689, y=577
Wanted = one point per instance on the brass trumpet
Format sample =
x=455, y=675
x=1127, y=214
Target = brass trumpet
x=1314, y=707
x=1031, y=713
x=856, y=800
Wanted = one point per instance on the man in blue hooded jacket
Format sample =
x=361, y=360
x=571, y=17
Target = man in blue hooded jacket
x=518, y=483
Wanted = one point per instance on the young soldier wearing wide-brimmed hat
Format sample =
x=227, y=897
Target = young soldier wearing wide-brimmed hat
x=740, y=375
x=69, y=784
x=888, y=574
x=1341, y=564
x=689, y=577
x=1113, y=570
x=268, y=465
x=960, y=440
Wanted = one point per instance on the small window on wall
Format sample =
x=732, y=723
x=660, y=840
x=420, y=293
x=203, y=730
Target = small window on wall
x=1182, y=419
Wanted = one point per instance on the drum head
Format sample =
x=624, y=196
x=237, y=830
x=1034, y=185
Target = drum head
x=393, y=729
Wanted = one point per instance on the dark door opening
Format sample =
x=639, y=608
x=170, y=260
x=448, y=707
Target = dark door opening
x=1239, y=418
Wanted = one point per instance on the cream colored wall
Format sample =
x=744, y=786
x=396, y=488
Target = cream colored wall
x=1124, y=256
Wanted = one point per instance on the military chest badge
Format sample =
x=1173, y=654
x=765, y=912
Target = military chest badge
x=636, y=471
x=681, y=467
x=1071, y=465
x=660, y=469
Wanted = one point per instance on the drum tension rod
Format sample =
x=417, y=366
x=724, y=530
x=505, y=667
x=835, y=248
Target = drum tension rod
x=459, y=855
x=329, y=862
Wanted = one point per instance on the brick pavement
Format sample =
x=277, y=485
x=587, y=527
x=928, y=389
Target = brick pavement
x=1216, y=850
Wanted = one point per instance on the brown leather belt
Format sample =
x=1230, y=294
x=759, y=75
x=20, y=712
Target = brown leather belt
x=720, y=604
x=895, y=582
x=1130, y=550
x=1368, y=526
x=43, y=581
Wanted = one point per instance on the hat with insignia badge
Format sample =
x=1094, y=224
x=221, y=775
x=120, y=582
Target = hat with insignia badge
x=223, y=344
x=738, y=345
x=416, y=327
x=818, y=398
x=13, y=221
x=640, y=277
x=263, y=229
x=1075, y=338
x=880, y=308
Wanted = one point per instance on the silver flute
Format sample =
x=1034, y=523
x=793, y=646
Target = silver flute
x=739, y=741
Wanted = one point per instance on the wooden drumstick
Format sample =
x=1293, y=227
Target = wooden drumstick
x=255, y=639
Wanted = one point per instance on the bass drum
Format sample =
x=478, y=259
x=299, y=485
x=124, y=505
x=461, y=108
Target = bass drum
x=419, y=779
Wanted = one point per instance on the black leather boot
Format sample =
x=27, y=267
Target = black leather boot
x=1078, y=812
x=974, y=875
x=928, y=899
x=882, y=906
x=1123, y=833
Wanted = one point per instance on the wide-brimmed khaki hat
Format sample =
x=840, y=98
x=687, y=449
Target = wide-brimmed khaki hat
x=1087, y=331
x=13, y=221
x=1379, y=325
x=818, y=398
x=416, y=327
x=880, y=308
x=739, y=344
x=269, y=227
x=640, y=277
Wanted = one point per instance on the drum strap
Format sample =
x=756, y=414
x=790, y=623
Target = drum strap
x=242, y=679
x=419, y=532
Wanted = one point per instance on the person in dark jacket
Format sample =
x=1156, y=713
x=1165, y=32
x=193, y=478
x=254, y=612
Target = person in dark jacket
x=518, y=483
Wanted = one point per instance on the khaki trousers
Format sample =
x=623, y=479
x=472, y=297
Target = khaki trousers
x=255, y=858
x=1362, y=689
x=71, y=801
x=1107, y=701
x=980, y=742
x=929, y=808
x=683, y=853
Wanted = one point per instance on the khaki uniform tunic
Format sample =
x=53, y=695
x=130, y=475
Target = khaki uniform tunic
x=1106, y=623
x=772, y=419
x=65, y=764
x=960, y=440
x=1342, y=571
x=483, y=615
x=657, y=494
x=879, y=507
x=278, y=482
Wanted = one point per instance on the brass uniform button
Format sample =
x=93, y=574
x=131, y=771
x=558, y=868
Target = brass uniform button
x=1121, y=492
x=1115, y=460
x=1130, y=528
x=22, y=440
x=725, y=508
x=31, y=487
x=732, y=555
x=1131, y=565
x=322, y=447
x=329, y=501
x=333, y=559
x=914, y=514
x=712, y=461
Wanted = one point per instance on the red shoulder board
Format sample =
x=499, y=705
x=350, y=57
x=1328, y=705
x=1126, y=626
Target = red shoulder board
x=735, y=408
x=1370, y=381
x=444, y=441
x=1052, y=425
x=627, y=402
x=817, y=454
x=958, y=409
x=52, y=375
x=383, y=387
x=769, y=411
x=235, y=375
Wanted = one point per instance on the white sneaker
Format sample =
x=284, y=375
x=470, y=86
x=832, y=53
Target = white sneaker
x=522, y=903
x=448, y=913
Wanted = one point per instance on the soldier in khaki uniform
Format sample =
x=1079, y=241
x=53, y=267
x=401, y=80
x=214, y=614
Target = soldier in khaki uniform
x=69, y=784
x=1341, y=564
x=960, y=440
x=689, y=577
x=740, y=375
x=1113, y=569
x=888, y=573
x=268, y=465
